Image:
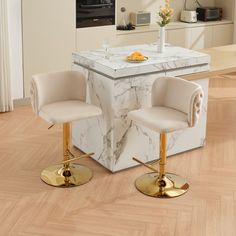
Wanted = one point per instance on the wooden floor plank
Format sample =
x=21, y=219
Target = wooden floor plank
x=110, y=205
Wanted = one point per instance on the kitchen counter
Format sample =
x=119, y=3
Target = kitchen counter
x=174, y=58
x=118, y=86
x=172, y=26
x=223, y=61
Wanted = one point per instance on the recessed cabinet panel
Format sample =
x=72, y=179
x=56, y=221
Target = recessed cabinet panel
x=200, y=37
x=179, y=37
x=93, y=37
x=222, y=35
x=137, y=38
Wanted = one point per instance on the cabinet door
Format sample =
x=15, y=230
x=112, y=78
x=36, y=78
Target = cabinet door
x=179, y=37
x=92, y=37
x=48, y=36
x=200, y=37
x=136, y=38
x=222, y=35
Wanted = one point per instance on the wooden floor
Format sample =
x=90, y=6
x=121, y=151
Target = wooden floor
x=110, y=204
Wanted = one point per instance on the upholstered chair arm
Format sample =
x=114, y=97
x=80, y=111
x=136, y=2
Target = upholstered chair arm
x=57, y=86
x=195, y=107
x=184, y=96
x=34, y=96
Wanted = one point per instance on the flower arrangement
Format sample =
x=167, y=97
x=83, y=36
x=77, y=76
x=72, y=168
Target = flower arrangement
x=165, y=14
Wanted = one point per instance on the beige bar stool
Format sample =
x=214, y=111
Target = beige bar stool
x=176, y=105
x=59, y=98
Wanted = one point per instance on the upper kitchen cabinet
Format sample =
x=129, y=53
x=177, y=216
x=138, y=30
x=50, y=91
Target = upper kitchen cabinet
x=49, y=30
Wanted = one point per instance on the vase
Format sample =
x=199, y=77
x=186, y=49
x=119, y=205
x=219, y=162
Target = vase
x=162, y=36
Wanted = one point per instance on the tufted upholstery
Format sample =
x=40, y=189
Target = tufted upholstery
x=176, y=104
x=59, y=97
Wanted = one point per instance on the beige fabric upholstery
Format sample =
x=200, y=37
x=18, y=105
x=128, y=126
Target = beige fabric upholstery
x=160, y=119
x=183, y=98
x=55, y=87
x=179, y=94
x=67, y=111
x=60, y=97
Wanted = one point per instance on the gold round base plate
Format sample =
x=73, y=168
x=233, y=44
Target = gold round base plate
x=174, y=185
x=53, y=175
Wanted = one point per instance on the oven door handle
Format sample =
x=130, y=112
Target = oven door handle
x=96, y=5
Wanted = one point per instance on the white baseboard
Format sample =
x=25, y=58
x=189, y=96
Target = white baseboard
x=21, y=102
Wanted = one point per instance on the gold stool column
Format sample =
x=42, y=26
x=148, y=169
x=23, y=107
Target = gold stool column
x=67, y=174
x=161, y=184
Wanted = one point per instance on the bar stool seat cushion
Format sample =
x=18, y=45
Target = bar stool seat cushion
x=160, y=119
x=67, y=111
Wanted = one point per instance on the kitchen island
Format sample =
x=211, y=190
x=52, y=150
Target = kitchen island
x=119, y=86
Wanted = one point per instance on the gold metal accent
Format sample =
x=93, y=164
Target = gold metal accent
x=147, y=165
x=78, y=158
x=153, y=162
x=51, y=126
x=67, y=174
x=66, y=140
x=59, y=176
x=162, y=163
x=170, y=186
x=162, y=184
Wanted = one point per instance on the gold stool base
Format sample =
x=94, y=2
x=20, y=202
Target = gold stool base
x=53, y=175
x=173, y=185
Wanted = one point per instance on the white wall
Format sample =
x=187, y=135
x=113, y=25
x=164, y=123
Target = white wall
x=15, y=40
x=235, y=23
x=234, y=17
x=49, y=34
x=228, y=8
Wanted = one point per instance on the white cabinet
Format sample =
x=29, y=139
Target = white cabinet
x=136, y=38
x=179, y=37
x=222, y=35
x=48, y=36
x=200, y=37
x=92, y=37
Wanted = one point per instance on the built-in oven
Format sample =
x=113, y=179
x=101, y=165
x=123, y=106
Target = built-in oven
x=95, y=13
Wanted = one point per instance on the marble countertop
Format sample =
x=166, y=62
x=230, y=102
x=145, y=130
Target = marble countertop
x=117, y=66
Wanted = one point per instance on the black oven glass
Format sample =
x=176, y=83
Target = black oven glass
x=95, y=13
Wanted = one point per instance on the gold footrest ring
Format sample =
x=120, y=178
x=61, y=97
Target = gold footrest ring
x=55, y=175
x=171, y=185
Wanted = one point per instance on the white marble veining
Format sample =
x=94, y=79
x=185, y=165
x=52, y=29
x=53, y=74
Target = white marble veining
x=117, y=66
x=113, y=137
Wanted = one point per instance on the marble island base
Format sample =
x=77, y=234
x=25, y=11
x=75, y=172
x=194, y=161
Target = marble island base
x=113, y=137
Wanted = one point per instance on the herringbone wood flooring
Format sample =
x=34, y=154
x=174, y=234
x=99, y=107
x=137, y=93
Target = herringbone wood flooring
x=110, y=204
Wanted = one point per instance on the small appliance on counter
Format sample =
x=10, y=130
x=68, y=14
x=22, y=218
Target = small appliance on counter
x=140, y=18
x=209, y=13
x=188, y=16
x=128, y=26
x=124, y=25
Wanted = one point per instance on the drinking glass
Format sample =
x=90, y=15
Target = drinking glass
x=106, y=45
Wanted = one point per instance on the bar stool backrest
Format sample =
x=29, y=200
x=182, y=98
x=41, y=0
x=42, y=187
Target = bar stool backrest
x=57, y=86
x=179, y=94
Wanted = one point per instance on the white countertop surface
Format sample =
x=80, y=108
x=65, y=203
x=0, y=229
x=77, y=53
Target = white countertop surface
x=117, y=66
x=172, y=26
